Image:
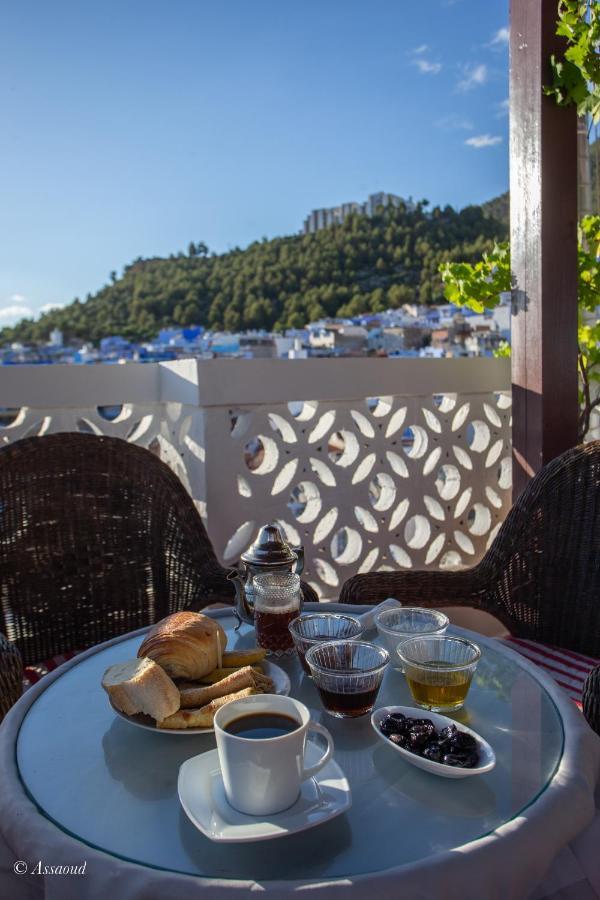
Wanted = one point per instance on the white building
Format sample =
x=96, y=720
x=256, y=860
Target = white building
x=297, y=351
x=335, y=215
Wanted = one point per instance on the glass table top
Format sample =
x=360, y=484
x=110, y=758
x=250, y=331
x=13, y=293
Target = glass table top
x=114, y=786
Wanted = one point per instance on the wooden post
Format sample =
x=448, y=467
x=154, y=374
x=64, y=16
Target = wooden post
x=543, y=226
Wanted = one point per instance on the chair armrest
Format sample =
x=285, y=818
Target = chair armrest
x=309, y=594
x=416, y=588
x=591, y=699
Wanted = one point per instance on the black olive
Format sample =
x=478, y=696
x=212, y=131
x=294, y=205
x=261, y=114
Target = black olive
x=387, y=727
x=417, y=740
x=448, y=732
x=432, y=751
x=462, y=759
x=464, y=741
x=394, y=724
x=423, y=727
x=399, y=718
x=423, y=723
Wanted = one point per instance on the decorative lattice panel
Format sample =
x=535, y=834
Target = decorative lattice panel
x=413, y=482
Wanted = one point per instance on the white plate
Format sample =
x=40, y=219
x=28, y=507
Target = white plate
x=487, y=757
x=202, y=796
x=280, y=680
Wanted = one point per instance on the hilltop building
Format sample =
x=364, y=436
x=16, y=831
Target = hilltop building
x=335, y=215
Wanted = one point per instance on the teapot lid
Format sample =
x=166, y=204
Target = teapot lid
x=269, y=549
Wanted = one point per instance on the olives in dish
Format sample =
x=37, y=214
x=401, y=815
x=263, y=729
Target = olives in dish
x=449, y=745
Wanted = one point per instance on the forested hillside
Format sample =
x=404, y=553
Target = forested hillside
x=498, y=208
x=364, y=264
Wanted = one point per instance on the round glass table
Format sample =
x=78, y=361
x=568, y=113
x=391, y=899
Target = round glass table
x=113, y=786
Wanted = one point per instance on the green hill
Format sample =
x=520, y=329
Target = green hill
x=498, y=208
x=364, y=264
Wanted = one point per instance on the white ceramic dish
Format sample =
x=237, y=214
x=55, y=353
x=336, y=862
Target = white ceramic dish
x=487, y=757
x=202, y=796
x=280, y=680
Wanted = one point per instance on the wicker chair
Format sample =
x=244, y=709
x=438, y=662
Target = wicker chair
x=540, y=577
x=11, y=675
x=97, y=537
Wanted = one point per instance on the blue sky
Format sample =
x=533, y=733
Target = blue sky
x=131, y=128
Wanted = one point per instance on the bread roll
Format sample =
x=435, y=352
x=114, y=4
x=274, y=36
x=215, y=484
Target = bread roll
x=186, y=645
x=141, y=686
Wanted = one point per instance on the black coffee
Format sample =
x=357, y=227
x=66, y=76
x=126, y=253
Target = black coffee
x=262, y=725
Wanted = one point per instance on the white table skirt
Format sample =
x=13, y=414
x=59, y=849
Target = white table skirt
x=508, y=863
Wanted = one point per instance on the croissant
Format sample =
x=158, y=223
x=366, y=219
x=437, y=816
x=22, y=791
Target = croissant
x=185, y=644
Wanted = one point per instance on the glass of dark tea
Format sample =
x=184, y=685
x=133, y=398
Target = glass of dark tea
x=439, y=670
x=317, y=628
x=348, y=675
x=277, y=600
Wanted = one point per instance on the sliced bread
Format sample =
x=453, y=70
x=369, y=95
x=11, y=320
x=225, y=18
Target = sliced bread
x=141, y=686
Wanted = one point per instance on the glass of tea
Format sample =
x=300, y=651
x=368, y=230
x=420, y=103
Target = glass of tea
x=277, y=600
x=348, y=675
x=439, y=670
x=397, y=625
x=317, y=628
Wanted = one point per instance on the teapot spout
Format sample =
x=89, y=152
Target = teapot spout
x=243, y=610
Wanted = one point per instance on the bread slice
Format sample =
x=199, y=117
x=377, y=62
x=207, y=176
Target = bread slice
x=205, y=716
x=141, y=686
x=194, y=696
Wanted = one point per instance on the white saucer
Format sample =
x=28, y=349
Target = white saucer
x=202, y=796
x=281, y=684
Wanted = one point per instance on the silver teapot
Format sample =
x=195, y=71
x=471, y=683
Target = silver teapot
x=269, y=553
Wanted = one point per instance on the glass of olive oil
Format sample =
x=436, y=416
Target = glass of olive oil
x=439, y=670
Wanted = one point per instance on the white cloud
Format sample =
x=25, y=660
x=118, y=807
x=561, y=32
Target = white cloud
x=500, y=39
x=11, y=314
x=454, y=123
x=483, y=140
x=425, y=66
x=473, y=77
x=428, y=68
x=48, y=307
x=18, y=298
x=503, y=108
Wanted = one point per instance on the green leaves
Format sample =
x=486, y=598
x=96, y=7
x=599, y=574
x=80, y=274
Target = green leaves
x=576, y=77
x=478, y=286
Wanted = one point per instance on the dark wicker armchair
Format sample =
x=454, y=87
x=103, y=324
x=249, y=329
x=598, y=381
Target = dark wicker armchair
x=540, y=577
x=11, y=675
x=97, y=537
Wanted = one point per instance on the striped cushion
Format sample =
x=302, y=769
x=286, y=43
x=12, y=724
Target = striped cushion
x=569, y=669
x=33, y=673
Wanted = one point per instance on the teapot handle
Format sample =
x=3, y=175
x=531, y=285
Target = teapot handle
x=299, y=565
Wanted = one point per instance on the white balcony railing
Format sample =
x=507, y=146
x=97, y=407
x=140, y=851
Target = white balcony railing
x=370, y=463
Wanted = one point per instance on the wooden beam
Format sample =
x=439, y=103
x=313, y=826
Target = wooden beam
x=543, y=213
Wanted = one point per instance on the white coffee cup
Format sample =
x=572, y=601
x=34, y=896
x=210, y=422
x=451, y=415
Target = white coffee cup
x=263, y=776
